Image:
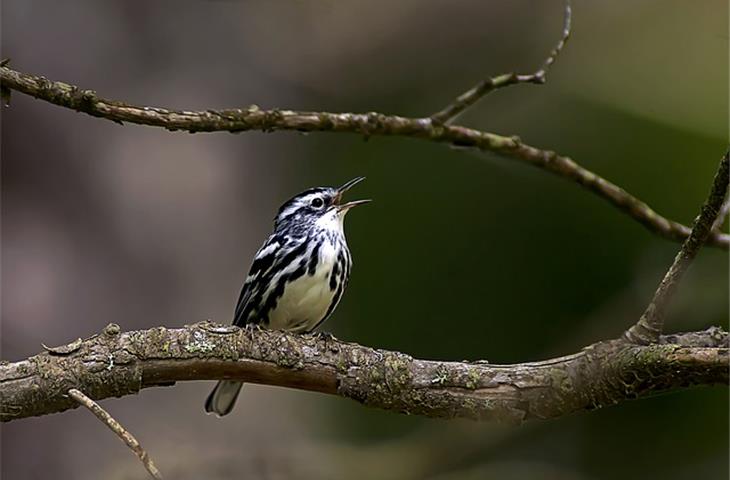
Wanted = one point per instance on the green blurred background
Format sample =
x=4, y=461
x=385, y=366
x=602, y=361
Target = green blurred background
x=462, y=255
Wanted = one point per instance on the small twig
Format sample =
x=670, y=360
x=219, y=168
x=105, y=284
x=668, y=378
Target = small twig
x=486, y=86
x=651, y=323
x=118, y=429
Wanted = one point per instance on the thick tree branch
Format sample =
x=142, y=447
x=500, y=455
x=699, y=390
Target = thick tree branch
x=368, y=124
x=118, y=430
x=651, y=323
x=488, y=85
x=114, y=364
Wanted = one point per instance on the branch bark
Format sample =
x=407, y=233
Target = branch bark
x=651, y=323
x=114, y=364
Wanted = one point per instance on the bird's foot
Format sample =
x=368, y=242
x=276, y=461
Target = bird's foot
x=324, y=336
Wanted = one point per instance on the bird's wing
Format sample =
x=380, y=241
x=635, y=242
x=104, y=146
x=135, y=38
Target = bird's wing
x=260, y=270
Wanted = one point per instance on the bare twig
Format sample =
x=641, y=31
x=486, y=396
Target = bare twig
x=651, y=323
x=253, y=118
x=118, y=429
x=600, y=375
x=488, y=85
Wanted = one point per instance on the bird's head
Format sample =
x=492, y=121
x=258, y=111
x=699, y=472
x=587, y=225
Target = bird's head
x=321, y=206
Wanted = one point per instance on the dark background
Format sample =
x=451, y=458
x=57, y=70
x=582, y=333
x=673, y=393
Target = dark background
x=462, y=255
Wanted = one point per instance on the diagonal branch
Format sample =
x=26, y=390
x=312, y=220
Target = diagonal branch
x=603, y=374
x=118, y=429
x=722, y=216
x=488, y=85
x=651, y=323
x=253, y=118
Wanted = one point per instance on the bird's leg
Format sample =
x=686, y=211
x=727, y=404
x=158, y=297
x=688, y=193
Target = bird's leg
x=252, y=327
x=324, y=336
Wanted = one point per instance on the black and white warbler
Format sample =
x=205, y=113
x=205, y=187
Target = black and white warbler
x=298, y=275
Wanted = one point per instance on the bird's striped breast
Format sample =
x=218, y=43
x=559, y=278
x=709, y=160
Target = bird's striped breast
x=295, y=283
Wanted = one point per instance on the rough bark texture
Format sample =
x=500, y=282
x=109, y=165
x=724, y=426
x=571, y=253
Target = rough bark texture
x=114, y=364
x=367, y=124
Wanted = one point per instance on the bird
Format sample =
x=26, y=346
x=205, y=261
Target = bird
x=298, y=276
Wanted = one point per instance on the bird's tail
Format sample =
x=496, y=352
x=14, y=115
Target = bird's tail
x=223, y=397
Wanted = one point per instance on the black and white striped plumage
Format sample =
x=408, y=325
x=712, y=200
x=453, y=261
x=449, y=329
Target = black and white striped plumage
x=298, y=275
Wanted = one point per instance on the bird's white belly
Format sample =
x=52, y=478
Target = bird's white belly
x=305, y=300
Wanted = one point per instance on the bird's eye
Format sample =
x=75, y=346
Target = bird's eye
x=317, y=202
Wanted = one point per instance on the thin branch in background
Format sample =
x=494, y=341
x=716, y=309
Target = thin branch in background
x=651, y=323
x=118, y=429
x=486, y=86
x=370, y=124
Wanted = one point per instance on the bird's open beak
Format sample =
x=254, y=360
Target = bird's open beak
x=344, y=207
